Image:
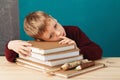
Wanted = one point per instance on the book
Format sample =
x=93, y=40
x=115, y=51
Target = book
x=61, y=73
x=49, y=47
x=54, y=56
x=27, y=63
x=53, y=62
x=57, y=55
x=72, y=72
x=29, y=66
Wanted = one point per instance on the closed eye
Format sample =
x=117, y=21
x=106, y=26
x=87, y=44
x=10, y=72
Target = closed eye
x=50, y=36
x=55, y=26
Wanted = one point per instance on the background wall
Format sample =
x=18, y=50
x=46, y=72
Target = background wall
x=9, y=22
x=99, y=19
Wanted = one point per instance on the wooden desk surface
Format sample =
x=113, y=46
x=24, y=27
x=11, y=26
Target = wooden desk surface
x=12, y=71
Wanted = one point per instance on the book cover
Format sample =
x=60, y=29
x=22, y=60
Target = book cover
x=49, y=47
x=54, y=62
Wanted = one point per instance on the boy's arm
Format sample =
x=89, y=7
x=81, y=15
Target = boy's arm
x=15, y=47
x=10, y=54
x=89, y=49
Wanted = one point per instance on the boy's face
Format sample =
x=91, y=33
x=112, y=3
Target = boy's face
x=53, y=31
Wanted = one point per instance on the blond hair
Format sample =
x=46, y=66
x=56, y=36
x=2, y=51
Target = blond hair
x=35, y=23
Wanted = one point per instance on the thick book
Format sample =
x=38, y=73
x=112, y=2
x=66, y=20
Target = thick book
x=49, y=47
x=52, y=62
x=56, y=55
x=27, y=63
x=29, y=66
x=72, y=72
x=57, y=72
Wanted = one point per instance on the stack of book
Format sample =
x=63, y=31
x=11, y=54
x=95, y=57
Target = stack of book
x=46, y=55
x=49, y=57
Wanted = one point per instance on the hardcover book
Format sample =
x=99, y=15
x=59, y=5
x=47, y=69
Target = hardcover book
x=49, y=47
x=57, y=55
x=72, y=72
x=51, y=62
x=28, y=63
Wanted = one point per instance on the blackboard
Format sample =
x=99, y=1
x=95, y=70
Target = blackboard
x=9, y=22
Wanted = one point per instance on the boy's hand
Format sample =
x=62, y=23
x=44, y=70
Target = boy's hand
x=20, y=47
x=66, y=40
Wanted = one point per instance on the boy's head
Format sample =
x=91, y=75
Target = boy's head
x=40, y=25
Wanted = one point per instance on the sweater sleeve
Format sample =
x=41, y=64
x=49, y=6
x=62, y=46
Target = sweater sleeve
x=91, y=51
x=10, y=55
x=88, y=48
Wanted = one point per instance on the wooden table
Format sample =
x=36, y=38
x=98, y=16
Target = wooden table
x=12, y=71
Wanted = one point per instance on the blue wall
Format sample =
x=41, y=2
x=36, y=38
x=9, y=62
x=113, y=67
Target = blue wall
x=99, y=19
